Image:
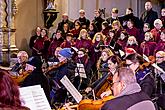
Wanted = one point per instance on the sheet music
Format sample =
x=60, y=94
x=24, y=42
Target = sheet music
x=80, y=71
x=34, y=98
x=72, y=90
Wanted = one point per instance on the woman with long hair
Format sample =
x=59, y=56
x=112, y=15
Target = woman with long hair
x=9, y=93
x=102, y=65
x=84, y=41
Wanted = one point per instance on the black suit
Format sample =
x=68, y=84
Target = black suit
x=149, y=17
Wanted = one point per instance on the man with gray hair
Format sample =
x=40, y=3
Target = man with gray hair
x=127, y=92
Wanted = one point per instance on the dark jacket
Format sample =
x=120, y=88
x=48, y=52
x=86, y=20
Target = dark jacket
x=98, y=22
x=110, y=20
x=53, y=45
x=149, y=17
x=32, y=41
x=134, y=32
x=160, y=46
x=84, y=22
x=146, y=81
x=37, y=77
x=61, y=24
x=131, y=98
x=131, y=17
x=84, y=43
x=60, y=92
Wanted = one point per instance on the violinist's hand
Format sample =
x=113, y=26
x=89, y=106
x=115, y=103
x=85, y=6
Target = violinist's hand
x=67, y=105
x=88, y=89
x=157, y=71
x=107, y=93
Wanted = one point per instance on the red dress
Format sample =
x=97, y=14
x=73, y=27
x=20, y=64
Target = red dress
x=147, y=48
x=156, y=34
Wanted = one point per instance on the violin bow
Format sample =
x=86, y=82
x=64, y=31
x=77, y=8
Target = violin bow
x=93, y=91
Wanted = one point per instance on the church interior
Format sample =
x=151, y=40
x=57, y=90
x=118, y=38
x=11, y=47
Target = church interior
x=89, y=41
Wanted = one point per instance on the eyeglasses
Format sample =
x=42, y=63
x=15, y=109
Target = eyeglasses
x=159, y=57
x=128, y=65
x=59, y=56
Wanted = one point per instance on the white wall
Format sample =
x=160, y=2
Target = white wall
x=90, y=5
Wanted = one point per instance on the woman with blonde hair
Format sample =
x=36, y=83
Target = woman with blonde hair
x=147, y=47
x=97, y=43
x=84, y=41
x=94, y=40
x=102, y=65
x=116, y=25
x=132, y=43
x=118, y=28
x=83, y=34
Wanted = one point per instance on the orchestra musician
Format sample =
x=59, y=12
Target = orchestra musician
x=102, y=65
x=22, y=64
x=144, y=76
x=66, y=66
x=113, y=63
x=160, y=61
x=83, y=59
x=128, y=93
x=160, y=78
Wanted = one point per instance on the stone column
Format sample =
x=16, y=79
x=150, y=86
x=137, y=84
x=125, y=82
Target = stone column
x=7, y=29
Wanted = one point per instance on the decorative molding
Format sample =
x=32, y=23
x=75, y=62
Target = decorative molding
x=3, y=22
x=8, y=10
x=14, y=8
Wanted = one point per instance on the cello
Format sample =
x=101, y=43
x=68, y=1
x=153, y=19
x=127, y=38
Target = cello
x=104, y=85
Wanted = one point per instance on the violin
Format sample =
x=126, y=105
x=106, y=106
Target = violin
x=72, y=107
x=55, y=66
x=147, y=64
x=21, y=77
x=88, y=104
